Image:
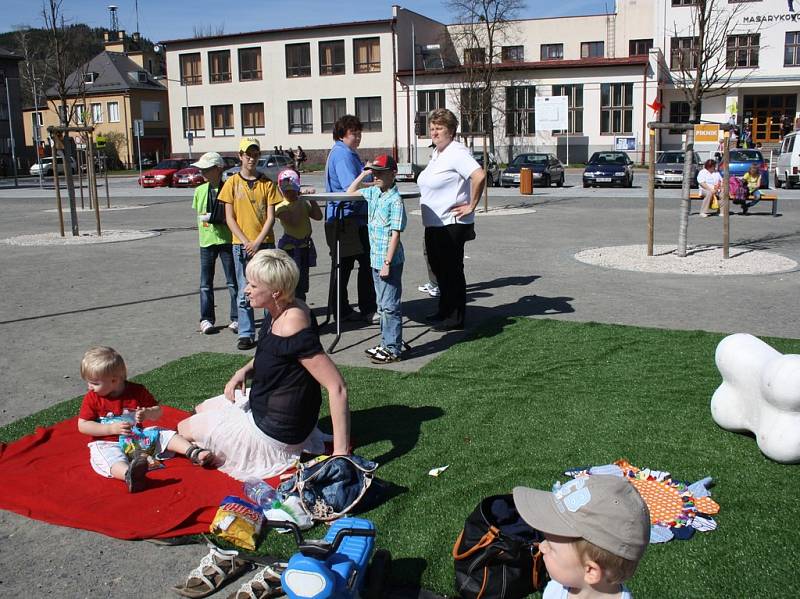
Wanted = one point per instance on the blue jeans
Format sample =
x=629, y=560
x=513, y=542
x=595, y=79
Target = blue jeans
x=388, y=292
x=247, y=324
x=208, y=259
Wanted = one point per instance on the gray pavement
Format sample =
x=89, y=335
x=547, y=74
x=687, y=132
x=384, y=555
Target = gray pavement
x=141, y=297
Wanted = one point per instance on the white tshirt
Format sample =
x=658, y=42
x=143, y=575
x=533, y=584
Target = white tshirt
x=709, y=178
x=445, y=183
x=555, y=590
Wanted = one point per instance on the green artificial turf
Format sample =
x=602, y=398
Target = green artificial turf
x=518, y=403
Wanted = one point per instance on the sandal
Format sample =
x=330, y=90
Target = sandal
x=216, y=569
x=193, y=453
x=265, y=584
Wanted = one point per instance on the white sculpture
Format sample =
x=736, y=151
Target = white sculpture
x=760, y=393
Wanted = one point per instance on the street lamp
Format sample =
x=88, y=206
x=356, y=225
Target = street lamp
x=11, y=128
x=189, y=135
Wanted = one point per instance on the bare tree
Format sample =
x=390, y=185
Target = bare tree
x=208, y=30
x=701, y=64
x=482, y=28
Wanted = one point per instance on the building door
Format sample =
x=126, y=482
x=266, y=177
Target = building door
x=765, y=114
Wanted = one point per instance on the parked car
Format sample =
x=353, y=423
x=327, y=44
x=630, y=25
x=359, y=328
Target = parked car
x=545, y=169
x=47, y=167
x=408, y=171
x=787, y=169
x=608, y=168
x=268, y=165
x=161, y=175
x=740, y=161
x=148, y=162
x=188, y=177
x=493, y=171
x=669, y=169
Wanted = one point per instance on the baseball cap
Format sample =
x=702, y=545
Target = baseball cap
x=246, y=142
x=384, y=162
x=288, y=179
x=605, y=510
x=208, y=160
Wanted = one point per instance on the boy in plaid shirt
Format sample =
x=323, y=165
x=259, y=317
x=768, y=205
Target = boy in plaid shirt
x=387, y=219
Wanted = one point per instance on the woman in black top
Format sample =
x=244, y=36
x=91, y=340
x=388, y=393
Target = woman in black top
x=261, y=434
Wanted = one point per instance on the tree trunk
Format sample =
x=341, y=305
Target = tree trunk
x=73, y=210
x=688, y=155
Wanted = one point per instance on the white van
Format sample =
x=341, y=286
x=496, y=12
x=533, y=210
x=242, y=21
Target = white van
x=787, y=170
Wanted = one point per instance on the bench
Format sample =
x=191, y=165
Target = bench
x=765, y=197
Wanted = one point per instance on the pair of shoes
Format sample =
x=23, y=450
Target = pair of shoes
x=206, y=327
x=451, y=323
x=430, y=289
x=246, y=343
x=374, y=350
x=135, y=476
x=234, y=326
x=194, y=452
x=217, y=568
x=372, y=317
x=267, y=583
x=384, y=356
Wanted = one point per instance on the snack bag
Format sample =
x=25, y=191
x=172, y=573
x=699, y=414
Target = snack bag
x=238, y=522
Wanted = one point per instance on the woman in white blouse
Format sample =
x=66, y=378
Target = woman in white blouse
x=450, y=186
x=710, y=182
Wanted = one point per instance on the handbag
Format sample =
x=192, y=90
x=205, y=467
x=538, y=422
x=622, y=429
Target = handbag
x=497, y=554
x=714, y=203
x=215, y=208
x=331, y=487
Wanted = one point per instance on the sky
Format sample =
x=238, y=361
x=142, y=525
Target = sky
x=176, y=19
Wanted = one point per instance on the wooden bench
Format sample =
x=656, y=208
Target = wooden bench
x=765, y=197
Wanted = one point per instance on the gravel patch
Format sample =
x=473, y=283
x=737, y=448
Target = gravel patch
x=699, y=260
x=108, y=236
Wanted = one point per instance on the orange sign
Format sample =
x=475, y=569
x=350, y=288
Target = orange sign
x=706, y=133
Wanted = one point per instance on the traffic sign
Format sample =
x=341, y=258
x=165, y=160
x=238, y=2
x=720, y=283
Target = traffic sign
x=100, y=141
x=138, y=127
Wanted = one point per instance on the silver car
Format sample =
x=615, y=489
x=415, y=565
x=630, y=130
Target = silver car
x=669, y=169
x=268, y=165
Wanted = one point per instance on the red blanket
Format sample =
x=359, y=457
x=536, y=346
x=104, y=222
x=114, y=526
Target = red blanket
x=47, y=476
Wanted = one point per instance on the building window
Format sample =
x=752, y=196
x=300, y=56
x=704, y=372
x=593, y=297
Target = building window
x=742, y=51
x=592, y=49
x=97, y=113
x=616, y=108
x=639, y=47
x=249, y=64
x=222, y=121
x=367, y=55
x=331, y=58
x=474, y=55
x=300, y=119
x=36, y=119
x=520, y=101
x=190, y=69
x=427, y=100
x=219, y=66
x=113, y=112
x=151, y=111
x=791, y=52
x=79, y=111
x=678, y=113
x=194, y=122
x=253, y=119
x=475, y=111
x=332, y=110
x=683, y=53
x=368, y=111
x=298, y=60
x=552, y=51
x=513, y=54
x=574, y=93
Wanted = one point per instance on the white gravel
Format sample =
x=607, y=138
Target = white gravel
x=108, y=236
x=699, y=260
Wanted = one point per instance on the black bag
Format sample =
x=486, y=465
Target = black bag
x=497, y=554
x=215, y=208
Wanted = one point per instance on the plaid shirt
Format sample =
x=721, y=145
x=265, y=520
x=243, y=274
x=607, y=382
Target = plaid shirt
x=386, y=214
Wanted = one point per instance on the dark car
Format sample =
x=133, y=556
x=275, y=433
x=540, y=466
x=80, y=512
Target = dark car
x=608, y=168
x=492, y=171
x=545, y=168
x=669, y=169
x=269, y=165
x=161, y=174
x=188, y=177
x=742, y=159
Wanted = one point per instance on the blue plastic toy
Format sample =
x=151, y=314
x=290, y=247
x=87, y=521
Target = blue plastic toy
x=334, y=567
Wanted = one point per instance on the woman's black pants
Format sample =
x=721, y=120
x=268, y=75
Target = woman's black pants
x=445, y=247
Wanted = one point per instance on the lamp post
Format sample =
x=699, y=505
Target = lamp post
x=186, y=100
x=11, y=130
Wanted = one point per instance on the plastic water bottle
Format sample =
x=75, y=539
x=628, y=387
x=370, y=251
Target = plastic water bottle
x=260, y=493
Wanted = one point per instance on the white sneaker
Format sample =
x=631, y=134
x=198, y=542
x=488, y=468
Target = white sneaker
x=234, y=326
x=206, y=327
x=430, y=289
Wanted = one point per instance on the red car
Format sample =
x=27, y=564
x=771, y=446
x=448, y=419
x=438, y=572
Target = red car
x=188, y=177
x=161, y=174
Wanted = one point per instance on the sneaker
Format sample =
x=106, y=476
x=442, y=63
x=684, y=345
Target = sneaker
x=246, y=343
x=384, y=356
x=372, y=317
x=135, y=476
x=704, y=215
x=430, y=289
x=206, y=327
x=352, y=316
x=234, y=326
x=374, y=350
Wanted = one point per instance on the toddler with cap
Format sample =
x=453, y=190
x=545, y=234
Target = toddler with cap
x=295, y=213
x=596, y=530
